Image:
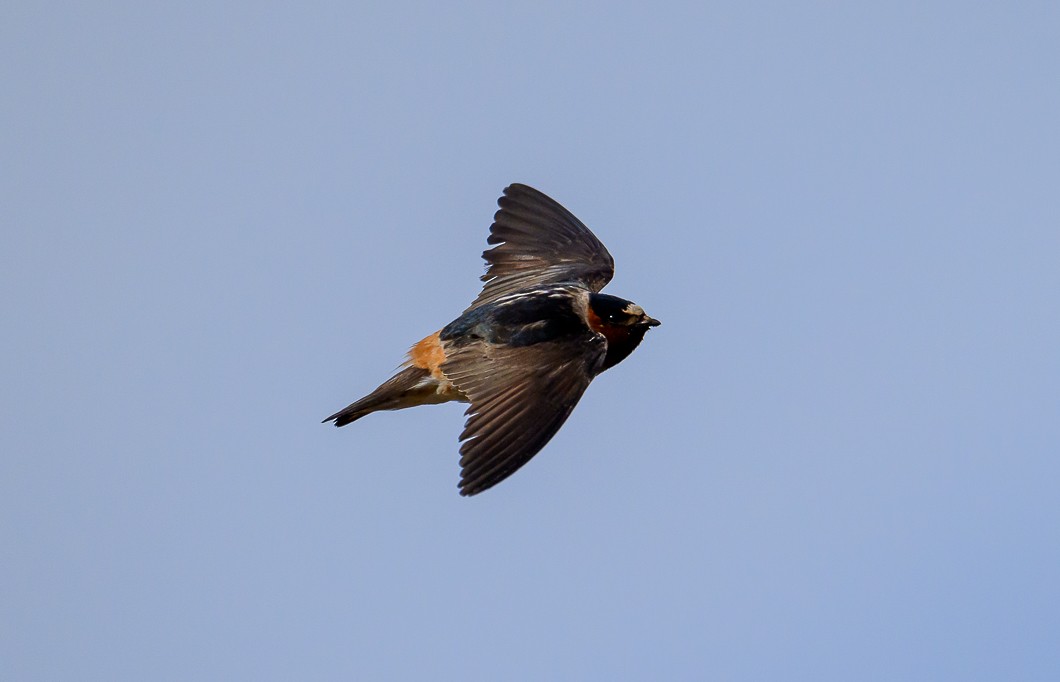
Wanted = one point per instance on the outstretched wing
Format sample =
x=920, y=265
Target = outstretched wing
x=520, y=396
x=540, y=242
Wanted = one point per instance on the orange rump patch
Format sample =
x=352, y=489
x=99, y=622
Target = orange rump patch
x=428, y=354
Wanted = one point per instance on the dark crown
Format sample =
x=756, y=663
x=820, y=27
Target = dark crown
x=614, y=310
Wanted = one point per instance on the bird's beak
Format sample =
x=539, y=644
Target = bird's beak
x=652, y=322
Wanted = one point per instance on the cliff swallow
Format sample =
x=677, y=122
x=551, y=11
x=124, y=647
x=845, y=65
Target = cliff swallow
x=526, y=349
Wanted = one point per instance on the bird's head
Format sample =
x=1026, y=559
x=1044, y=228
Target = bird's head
x=622, y=322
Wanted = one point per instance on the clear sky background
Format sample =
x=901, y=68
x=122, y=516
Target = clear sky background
x=836, y=460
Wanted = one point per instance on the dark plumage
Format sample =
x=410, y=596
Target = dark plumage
x=526, y=349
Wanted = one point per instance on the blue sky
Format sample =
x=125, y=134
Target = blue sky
x=837, y=458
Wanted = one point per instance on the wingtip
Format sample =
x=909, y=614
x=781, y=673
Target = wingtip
x=465, y=489
x=515, y=189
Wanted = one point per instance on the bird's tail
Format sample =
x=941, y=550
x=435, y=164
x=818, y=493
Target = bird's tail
x=409, y=387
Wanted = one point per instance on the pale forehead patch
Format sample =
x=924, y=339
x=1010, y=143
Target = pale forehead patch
x=633, y=310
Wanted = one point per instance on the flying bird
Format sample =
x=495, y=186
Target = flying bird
x=526, y=349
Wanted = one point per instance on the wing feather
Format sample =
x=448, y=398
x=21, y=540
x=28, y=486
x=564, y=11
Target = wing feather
x=539, y=242
x=520, y=397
